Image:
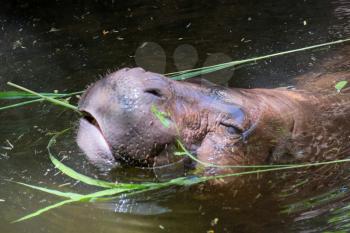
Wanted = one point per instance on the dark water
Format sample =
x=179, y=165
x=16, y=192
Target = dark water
x=64, y=46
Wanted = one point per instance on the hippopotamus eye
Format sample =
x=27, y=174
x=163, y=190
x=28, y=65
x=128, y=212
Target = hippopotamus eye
x=154, y=91
x=231, y=129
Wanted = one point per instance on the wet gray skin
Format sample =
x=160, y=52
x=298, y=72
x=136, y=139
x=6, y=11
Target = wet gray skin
x=218, y=125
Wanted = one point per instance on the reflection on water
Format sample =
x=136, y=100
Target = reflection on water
x=66, y=46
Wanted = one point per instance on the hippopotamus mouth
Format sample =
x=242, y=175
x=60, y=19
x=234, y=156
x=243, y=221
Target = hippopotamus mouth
x=97, y=143
x=120, y=128
x=100, y=152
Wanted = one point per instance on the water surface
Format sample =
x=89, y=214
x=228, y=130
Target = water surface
x=65, y=46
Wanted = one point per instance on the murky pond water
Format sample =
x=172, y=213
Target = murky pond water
x=64, y=46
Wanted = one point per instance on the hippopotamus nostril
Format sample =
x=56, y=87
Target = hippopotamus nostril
x=94, y=122
x=90, y=118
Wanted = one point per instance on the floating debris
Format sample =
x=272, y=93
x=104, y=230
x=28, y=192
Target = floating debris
x=65, y=184
x=143, y=45
x=54, y=29
x=9, y=145
x=4, y=155
x=18, y=44
x=214, y=222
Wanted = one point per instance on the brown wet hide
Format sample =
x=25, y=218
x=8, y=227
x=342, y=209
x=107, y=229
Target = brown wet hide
x=218, y=125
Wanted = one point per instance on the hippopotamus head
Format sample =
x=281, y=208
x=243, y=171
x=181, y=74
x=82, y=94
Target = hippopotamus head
x=120, y=124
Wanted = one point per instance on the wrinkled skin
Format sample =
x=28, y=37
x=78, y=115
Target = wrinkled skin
x=218, y=125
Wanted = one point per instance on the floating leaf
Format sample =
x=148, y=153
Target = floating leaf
x=340, y=85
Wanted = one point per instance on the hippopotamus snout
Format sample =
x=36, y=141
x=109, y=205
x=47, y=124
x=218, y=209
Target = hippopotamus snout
x=117, y=122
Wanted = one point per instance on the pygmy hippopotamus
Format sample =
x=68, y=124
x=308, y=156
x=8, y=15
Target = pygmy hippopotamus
x=218, y=125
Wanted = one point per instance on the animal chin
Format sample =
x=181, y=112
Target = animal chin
x=147, y=160
x=93, y=143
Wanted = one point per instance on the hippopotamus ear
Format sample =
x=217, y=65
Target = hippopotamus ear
x=232, y=117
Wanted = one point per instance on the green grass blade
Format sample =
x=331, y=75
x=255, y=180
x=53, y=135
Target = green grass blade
x=82, y=198
x=207, y=70
x=307, y=165
x=162, y=116
x=129, y=193
x=43, y=210
x=20, y=104
x=91, y=181
x=70, y=172
x=80, y=177
x=52, y=191
x=186, y=152
x=181, y=75
x=22, y=95
x=50, y=99
x=70, y=195
x=103, y=193
x=15, y=95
